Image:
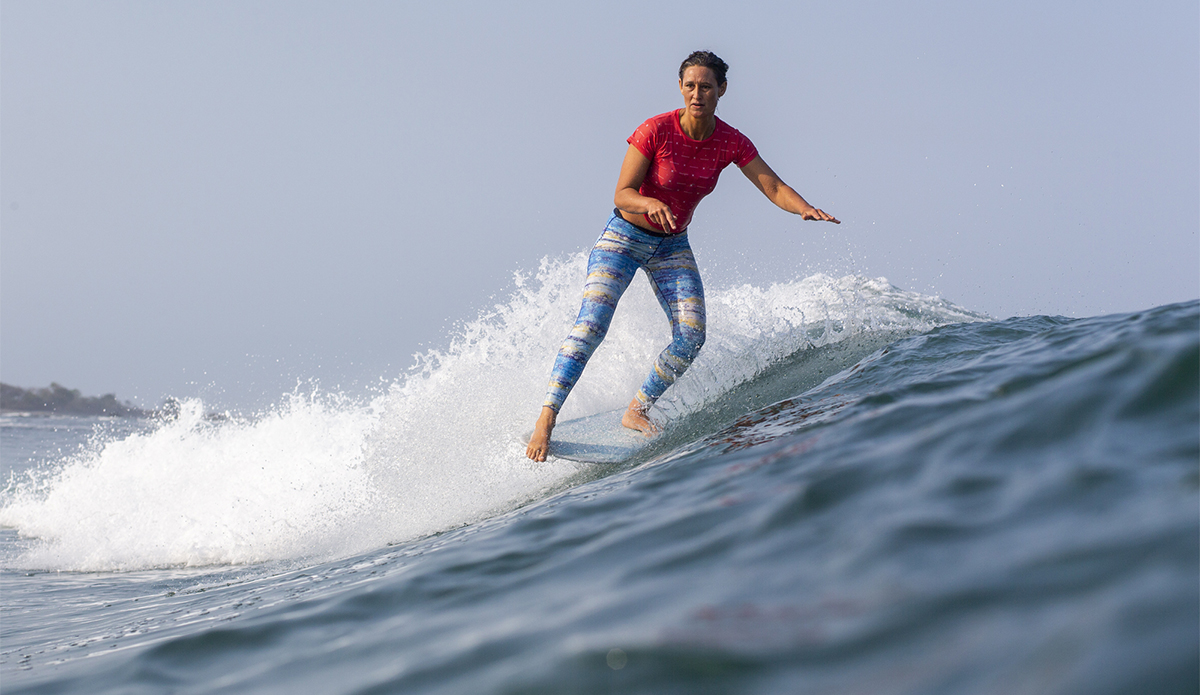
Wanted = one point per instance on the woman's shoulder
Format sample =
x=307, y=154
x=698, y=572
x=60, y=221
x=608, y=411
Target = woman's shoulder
x=654, y=133
x=662, y=120
x=727, y=130
x=738, y=147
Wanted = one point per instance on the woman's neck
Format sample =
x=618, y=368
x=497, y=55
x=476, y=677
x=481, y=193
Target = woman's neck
x=697, y=128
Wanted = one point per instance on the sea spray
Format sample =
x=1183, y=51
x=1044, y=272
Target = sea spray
x=325, y=475
x=193, y=492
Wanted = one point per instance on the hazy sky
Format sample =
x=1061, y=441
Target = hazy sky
x=224, y=197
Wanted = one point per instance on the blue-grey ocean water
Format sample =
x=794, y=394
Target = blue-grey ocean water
x=1003, y=506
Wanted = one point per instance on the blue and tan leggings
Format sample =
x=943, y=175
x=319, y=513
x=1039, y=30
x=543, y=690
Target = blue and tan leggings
x=671, y=268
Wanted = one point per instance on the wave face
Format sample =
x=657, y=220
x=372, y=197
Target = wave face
x=862, y=491
x=323, y=476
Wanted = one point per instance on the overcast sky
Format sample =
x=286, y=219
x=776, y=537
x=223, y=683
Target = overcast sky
x=224, y=197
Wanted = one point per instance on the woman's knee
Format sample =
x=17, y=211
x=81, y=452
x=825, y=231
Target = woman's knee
x=689, y=341
x=586, y=336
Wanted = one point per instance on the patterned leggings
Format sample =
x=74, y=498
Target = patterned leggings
x=671, y=268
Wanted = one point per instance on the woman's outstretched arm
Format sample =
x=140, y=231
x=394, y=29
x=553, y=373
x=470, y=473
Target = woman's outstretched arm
x=782, y=194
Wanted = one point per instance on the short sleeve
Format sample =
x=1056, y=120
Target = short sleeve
x=744, y=151
x=644, y=138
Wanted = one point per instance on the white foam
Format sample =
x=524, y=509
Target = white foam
x=322, y=476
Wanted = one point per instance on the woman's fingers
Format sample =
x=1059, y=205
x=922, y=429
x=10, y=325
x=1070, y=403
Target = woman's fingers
x=815, y=214
x=827, y=217
x=662, y=216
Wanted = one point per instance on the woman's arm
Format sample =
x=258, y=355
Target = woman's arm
x=627, y=198
x=780, y=193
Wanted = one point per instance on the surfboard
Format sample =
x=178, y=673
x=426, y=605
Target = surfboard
x=599, y=438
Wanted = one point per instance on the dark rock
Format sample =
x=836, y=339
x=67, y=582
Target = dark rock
x=59, y=399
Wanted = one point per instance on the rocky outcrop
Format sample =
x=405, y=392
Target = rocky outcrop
x=59, y=399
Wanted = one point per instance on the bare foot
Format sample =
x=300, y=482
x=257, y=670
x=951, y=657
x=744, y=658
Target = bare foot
x=635, y=418
x=539, y=441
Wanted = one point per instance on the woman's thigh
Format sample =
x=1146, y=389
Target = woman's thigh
x=611, y=267
x=677, y=285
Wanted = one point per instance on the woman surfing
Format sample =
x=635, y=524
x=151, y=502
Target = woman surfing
x=673, y=161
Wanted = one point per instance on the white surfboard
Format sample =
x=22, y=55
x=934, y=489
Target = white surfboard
x=599, y=438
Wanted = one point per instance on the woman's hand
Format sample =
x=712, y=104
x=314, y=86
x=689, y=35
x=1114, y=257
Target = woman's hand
x=660, y=213
x=814, y=214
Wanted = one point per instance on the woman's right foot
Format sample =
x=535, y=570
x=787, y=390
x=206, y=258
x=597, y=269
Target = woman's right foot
x=539, y=441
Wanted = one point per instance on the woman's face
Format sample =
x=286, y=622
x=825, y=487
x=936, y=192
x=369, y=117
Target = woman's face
x=700, y=91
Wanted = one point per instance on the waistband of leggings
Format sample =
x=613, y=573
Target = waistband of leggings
x=616, y=216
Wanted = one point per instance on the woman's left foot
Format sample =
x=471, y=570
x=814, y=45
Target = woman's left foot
x=635, y=418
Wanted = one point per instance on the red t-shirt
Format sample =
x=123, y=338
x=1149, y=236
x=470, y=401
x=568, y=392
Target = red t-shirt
x=683, y=170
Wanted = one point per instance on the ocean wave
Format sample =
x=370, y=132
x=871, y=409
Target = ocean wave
x=326, y=475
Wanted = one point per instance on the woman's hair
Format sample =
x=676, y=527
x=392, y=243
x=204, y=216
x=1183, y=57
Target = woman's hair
x=705, y=59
